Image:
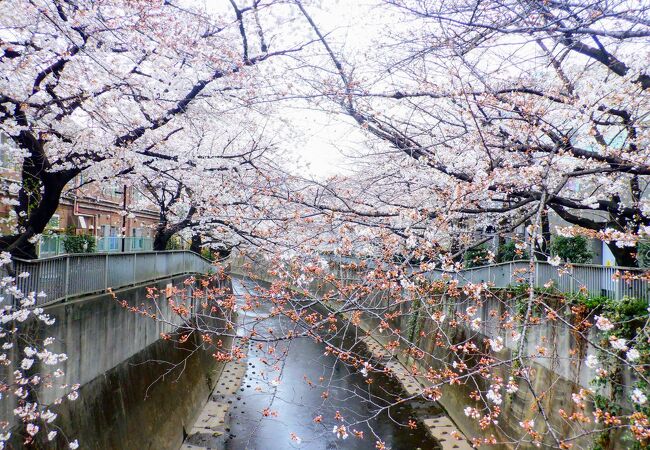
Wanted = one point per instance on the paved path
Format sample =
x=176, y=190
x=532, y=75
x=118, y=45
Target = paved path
x=439, y=426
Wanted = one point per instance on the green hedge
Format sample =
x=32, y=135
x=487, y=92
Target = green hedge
x=476, y=256
x=571, y=249
x=508, y=252
x=643, y=254
x=79, y=243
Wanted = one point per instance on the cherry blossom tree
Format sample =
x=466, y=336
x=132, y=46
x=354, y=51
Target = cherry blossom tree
x=514, y=104
x=221, y=202
x=97, y=86
x=491, y=119
x=481, y=117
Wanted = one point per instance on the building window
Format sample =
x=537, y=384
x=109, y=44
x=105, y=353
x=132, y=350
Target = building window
x=113, y=189
x=137, y=195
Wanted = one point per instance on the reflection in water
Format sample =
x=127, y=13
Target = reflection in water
x=265, y=413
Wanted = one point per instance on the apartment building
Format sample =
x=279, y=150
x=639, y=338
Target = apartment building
x=116, y=215
x=109, y=211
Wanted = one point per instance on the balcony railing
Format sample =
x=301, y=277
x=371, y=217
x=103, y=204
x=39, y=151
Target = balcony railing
x=53, y=245
x=113, y=244
x=66, y=276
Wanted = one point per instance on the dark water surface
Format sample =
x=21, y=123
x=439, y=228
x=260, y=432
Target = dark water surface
x=293, y=404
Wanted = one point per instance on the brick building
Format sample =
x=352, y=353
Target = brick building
x=96, y=209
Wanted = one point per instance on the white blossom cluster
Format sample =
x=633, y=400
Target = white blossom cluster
x=34, y=363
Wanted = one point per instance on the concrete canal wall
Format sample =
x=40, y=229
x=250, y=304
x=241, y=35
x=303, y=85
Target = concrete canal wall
x=137, y=390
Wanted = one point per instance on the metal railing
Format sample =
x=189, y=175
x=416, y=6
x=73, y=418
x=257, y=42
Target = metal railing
x=606, y=281
x=609, y=281
x=51, y=246
x=62, y=277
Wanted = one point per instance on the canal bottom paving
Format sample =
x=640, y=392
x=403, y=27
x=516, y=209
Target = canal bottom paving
x=275, y=409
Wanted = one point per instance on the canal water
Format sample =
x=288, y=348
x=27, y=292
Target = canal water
x=291, y=402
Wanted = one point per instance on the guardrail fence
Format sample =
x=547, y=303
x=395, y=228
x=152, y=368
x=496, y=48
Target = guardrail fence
x=607, y=281
x=61, y=277
x=596, y=280
x=66, y=276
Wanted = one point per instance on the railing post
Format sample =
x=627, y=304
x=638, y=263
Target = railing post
x=571, y=280
x=67, y=276
x=536, y=269
x=134, y=266
x=106, y=272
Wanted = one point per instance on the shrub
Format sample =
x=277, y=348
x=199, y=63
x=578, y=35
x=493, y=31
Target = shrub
x=477, y=256
x=630, y=315
x=643, y=254
x=593, y=302
x=208, y=253
x=508, y=252
x=571, y=249
x=174, y=243
x=80, y=243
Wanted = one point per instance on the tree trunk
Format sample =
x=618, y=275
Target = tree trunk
x=36, y=212
x=624, y=256
x=163, y=235
x=542, y=248
x=224, y=252
x=500, y=242
x=195, y=246
x=38, y=198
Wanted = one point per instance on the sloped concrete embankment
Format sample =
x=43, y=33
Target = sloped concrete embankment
x=137, y=391
x=555, y=376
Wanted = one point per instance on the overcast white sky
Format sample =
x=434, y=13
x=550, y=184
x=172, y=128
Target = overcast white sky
x=328, y=141
x=322, y=140
x=330, y=138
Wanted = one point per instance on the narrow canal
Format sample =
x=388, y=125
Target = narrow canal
x=292, y=402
